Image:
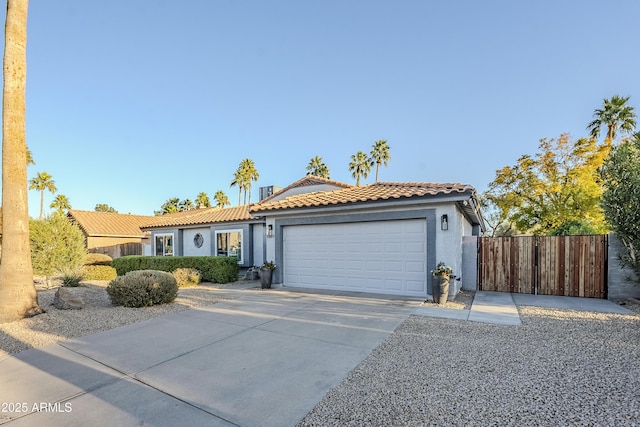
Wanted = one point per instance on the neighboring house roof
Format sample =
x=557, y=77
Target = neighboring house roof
x=201, y=216
x=109, y=224
x=306, y=181
x=364, y=194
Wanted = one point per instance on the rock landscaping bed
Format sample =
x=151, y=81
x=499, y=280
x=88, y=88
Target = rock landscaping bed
x=95, y=314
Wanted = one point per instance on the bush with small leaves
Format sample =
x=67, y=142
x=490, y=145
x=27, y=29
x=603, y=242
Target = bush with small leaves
x=97, y=259
x=99, y=272
x=187, y=277
x=98, y=267
x=143, y=288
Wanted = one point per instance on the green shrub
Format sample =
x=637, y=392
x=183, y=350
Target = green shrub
x=187, y=277
x=56, y=244
x=71, y=276
x=143, y=288
x=99, y=272
x=212, y=268
x=97, y=259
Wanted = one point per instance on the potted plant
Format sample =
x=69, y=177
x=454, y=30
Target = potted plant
x=440, y=278
x=266, y=273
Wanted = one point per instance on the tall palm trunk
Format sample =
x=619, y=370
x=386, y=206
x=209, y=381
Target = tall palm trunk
x=18, y=298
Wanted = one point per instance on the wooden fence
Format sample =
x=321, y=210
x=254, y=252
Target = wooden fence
x=544, y=265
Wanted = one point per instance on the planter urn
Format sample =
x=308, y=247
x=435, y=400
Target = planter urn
x=265, y=277
x=440, y=288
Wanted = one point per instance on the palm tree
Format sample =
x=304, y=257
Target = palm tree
x=103, y=207
x=238, y=180
x=17, y=292
x=186, y=205
x=42, y=182
x=318, y=168
x=60, y=203
x=360, y=166
x=202, y=201
x=30, y=160
x=380, y=154
x=616, y=115
x=221, y=199
x=250, y=174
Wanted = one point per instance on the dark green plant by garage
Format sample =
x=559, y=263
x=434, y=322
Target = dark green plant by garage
x=143, y=288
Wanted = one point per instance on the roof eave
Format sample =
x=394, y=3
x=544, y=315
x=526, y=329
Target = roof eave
x=370, y=204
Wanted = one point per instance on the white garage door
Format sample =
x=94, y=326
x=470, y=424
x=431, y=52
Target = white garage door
x=386, y=257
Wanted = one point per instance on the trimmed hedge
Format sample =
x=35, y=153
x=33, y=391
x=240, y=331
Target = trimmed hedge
x=214, y=269
x=143, y=288
x=98, y=267
x=98, y=272
x=97, y=259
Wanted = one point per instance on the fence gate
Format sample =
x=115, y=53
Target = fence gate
x=544, y=265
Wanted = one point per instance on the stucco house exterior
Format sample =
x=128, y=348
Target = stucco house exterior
x=323, y=234
x=111, y=233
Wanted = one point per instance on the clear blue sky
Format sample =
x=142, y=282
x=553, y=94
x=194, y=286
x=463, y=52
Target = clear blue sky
x=130, y=103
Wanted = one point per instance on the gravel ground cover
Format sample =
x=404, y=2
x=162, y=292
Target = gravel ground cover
x=559, y=368
x=97, y=315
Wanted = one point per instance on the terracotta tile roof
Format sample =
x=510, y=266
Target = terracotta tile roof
x=201, y=216
x=363, y=194
x=304, y=182
x=108, y=223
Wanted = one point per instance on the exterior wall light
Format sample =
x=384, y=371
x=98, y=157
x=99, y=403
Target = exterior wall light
x=444, y=222
x=269, y=230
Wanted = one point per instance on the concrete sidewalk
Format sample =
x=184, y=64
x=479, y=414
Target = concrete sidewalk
x=500, y=307
x=263, y=358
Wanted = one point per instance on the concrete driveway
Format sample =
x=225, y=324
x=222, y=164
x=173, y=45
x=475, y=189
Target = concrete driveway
x=262, y=359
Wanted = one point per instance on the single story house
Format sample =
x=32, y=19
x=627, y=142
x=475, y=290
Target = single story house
x=112, y=233
x=323, y=234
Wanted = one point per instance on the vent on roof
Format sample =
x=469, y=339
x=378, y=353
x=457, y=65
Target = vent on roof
x=267, y=191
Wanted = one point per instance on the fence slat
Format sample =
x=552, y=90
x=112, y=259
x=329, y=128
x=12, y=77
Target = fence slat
x=554, y=265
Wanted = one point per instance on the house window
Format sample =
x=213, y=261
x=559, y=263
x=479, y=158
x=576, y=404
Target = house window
x=164, y=244
x=229, y=243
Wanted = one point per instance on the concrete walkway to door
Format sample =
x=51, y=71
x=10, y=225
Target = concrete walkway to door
x=500, y=307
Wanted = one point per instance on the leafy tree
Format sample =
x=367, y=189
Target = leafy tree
x=221, y=199
x=56, y=245
x=103, y=207
x=380, y=155
x=621, y=198
x=561, y=183
x=43, y=181
x=574, y=227
x=60, y=203
x=202, y=200
x=616, y=115
x=360, y=166
x=186, y=205
x=317, y=167
x=18, y=297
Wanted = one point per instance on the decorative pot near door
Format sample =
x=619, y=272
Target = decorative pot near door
x=440, y=289
x=440, y=278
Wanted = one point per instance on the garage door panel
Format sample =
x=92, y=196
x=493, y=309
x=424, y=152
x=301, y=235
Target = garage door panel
x=381, y=256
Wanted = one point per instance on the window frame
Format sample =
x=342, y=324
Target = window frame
x=240, y=232
x=164, y=245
